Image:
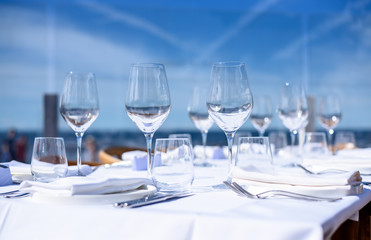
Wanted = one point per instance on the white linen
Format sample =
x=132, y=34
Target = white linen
x=215, y=214
x=71, y=186
x=349, y=160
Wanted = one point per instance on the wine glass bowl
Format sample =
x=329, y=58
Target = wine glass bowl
x=79, y=106
x=329, y=115
x=200, y=117
x=230, y=100
x=262, y=114
x=293, y=108
x=148, y=100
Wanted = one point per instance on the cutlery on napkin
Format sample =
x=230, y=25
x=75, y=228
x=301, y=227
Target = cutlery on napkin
x=259, y=179
x=349, y=160
x=71, y=186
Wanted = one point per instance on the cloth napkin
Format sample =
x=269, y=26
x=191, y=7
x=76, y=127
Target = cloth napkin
x=212, y=152
x=22, y=171
x=5, y=176
x=349, y=160
x=259, y=179
x=295, y=176
x=71, y=186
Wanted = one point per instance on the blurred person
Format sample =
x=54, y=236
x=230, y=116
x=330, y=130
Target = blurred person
x=10, y=141
x=5, y=153
x=90, y=150
x=21, y=149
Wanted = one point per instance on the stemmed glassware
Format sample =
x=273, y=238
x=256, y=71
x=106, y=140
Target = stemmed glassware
x=329, y=115
x=262, y=114
x=148, y=100
x=200, y=117
x=230, y=100
x=79, y=106
x=293, y=108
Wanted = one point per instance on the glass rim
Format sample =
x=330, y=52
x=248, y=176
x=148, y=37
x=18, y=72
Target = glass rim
x=229, y=64
x=173, y=138
x=49, y=138
x=80, y=73
x=148, y=65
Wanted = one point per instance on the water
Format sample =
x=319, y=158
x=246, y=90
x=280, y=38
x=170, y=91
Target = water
x=148, y=119
x=79, y=119
x=202, y=121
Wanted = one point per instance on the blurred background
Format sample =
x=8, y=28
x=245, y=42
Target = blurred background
x=326, y=45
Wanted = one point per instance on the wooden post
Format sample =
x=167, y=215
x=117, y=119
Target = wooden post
x=50, y=115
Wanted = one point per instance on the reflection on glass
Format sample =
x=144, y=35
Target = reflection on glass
x=148, y=100
x=230, y=100
x=262, y=114
x=200, y=117
x=329, y=115
x=79, y=106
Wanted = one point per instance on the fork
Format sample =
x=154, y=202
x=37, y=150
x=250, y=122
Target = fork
x=326, y=171
x=273, y=193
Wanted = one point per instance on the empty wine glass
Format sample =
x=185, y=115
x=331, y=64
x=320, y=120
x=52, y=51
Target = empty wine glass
x=79, y=106
x=230, y=100
x=148, y=100
x=262, y=114
x=329, y=115
x=293, y=109
x=200, y=117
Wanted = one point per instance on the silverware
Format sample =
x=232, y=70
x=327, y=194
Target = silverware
x=151, y=199
x=326, y=171
x=3, y=166
x=15, y=194
x=274, y=193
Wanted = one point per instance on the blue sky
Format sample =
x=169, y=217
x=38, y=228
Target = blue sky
x=41, y=41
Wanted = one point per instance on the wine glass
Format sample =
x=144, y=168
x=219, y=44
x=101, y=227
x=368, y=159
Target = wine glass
x=230, y=100
x=293, y=109
x=148, y=100
x=200, y=117
x=262, y=114
x=79, y=106
x=329, y=115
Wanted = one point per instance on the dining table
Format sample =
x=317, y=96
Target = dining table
x=212, y=212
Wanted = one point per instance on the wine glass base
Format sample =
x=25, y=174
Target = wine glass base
x=80, y=174
x=203, y=164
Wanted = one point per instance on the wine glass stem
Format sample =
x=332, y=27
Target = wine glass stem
x=204, y=138
x=79, y=136
x=261, y=133
x=331, y=144
x=230, y=136
x=149, y=137
x=292, y=134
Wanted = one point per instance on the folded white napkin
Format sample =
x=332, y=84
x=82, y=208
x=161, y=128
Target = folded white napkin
x=349, y=160
x=294, y=176
x=212, y=152
x=71, y=186
x=257, y=180
x=22, y=171
x=5, y=176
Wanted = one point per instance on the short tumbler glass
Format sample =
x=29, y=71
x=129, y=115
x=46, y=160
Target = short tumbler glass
x=49, y=160
x=172, y=168
x=253, y=151
x=315, y=144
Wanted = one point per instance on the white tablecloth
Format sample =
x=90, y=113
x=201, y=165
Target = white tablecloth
x=212, y=213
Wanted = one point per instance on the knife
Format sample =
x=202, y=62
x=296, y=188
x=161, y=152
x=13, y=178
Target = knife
x=151, y=200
